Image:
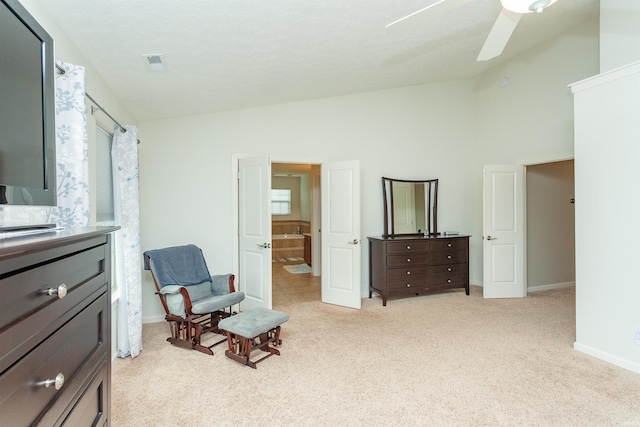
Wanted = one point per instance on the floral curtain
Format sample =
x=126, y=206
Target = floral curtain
x=72, y=154
x=127, y=240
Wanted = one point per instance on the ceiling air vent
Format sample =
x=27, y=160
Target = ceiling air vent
x=154, y=62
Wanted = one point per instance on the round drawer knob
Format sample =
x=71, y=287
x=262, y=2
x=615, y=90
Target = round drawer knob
x=449, y=244
x=448, y=269
x=408, y=247
x=61, y=291
x=408, y=259
x=408, y=272
x=449, y=256
x=408, y=285
x=449, y=281
x=57, y=382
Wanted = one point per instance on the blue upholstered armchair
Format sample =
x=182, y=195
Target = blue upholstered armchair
x=194, y=300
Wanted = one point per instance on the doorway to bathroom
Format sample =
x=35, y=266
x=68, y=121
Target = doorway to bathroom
x=296, y=249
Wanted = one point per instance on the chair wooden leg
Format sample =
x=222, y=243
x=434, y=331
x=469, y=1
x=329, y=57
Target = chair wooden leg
x=240, y=348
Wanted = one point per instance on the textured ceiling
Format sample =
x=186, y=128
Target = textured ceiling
x=230, y=54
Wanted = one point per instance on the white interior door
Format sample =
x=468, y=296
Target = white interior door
x=341, y=233
x=503, y=232
x=254, y=229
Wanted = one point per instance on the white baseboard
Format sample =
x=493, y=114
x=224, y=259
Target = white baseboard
x=154, y=319
x=610, y=358
x=552, y=286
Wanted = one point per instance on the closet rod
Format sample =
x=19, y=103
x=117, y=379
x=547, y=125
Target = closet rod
x=62, y=71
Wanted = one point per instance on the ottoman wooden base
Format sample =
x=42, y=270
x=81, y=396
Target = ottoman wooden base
x=257, y=329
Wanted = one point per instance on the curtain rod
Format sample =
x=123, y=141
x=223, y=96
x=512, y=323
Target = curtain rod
x=62, y=71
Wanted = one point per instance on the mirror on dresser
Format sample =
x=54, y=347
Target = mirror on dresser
x=410, y=206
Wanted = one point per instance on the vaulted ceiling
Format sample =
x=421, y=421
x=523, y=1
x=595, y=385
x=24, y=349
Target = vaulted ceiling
x=229, y=54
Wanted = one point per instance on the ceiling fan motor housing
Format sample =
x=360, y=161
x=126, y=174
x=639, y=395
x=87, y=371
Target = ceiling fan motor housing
x=526, y=6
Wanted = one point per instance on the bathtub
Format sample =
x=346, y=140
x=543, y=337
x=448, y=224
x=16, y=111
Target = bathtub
x=287, y=246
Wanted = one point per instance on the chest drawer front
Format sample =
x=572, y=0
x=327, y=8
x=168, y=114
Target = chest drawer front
x=449, y=257
x=407, y=260
x=406, y=247
x=440, y=245
x=26, y=293
x=73, y=351
x=413, y=273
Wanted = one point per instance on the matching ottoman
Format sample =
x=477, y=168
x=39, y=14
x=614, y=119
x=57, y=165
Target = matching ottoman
x=252, y=330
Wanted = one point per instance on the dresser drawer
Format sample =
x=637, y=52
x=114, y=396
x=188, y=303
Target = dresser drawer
x=410, y=283
x=413, y=273
x=438, y=245
x=448, y=257
x=407, y=247
x=74, y=351
x=407, y=260
x=26, y=308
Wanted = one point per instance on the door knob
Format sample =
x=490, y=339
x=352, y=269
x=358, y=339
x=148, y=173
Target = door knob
x=264, y=245
x=354, y=242
x=491, y=238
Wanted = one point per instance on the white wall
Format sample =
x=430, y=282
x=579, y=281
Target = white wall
x=619, y=33
x=532, y=117
x=607, y=212
x=412, y=133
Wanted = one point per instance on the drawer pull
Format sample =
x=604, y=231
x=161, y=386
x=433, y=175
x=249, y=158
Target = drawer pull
x=449, y=269
x=408, y=247
x=57, y=382
x=408, y=272
x=449, y=281
x=408, y=259
x=408, y=285
x=449, y=244
x=61, y=291
x=449, y=256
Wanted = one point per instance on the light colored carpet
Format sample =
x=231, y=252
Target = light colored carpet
x=298, y=269
x=440, y=360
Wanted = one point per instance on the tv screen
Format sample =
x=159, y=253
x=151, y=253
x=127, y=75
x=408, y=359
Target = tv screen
x=27, y=128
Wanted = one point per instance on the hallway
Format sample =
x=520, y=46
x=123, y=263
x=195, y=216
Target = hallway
x=289, y=289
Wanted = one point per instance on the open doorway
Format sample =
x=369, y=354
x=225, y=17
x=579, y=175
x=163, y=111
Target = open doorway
x=295, y=219
x=550, y=225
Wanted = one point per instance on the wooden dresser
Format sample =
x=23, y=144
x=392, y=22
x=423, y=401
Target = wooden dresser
x=55, y=328
x=410, y=265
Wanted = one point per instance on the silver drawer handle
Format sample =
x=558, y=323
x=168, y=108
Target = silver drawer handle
x=57, y=382
x=408, y=285
x=449, y=256
x=408, y=272
x=449, y=244
x=408, y=247
x=61, y=291
x=448, y=269
x=408, y=259
x=449, y=281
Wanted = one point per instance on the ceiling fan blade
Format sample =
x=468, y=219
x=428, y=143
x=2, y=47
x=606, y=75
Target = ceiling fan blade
x=499, y=35
x=435, y=9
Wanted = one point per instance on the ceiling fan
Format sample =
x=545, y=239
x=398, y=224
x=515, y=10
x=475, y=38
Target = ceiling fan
x=502, y=29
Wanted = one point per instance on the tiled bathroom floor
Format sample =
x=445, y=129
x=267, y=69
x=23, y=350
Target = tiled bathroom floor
x=289, y=289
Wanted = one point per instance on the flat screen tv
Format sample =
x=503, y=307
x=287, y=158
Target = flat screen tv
x=27, y=128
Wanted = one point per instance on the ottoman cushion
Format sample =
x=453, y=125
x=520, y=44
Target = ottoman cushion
x=250, y=324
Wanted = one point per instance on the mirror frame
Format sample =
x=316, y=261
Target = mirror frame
x=431, y=213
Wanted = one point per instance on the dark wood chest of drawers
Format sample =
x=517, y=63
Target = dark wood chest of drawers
x=55, y=323
x=410, y=265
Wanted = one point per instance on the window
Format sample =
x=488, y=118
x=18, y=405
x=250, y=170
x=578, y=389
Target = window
x=281, y=201
x=104, y=193
x=104, y=177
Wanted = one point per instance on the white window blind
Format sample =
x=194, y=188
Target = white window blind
x=104, y=177
x=281, y=201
